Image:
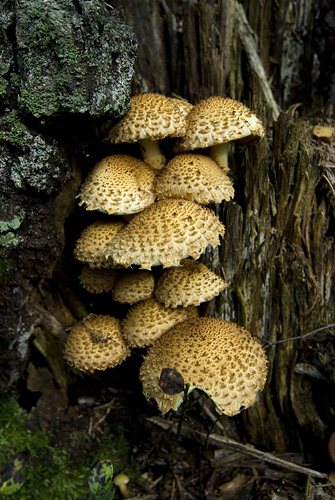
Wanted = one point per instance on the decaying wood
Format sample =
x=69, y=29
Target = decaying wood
x=246, y=449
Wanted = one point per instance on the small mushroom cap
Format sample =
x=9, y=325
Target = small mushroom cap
x=165, y=233
x=216, y=120
x=151, y=116
x=194, y=177
x=133, y=287
x=148, y=320
x=213, y=355
x=191, y=283
x=120, y=479
x=94, y=239
x=96, y=343
x=97, y=280
x=119, y=184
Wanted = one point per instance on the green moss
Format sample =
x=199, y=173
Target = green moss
x=51, y=473
x=8, y=238
x=38, y=102
x=12, y=130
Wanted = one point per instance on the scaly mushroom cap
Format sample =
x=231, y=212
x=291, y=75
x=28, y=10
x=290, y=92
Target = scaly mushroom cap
x=217, y=120
x=194, y=177
x=165, y=233
x=151, y=116
x=148, y=320
x=191, y=283
x=119, y=184
x=216, y=356
x=184, y=106
x=133, y=287
x=96, y=343
x=94, y=239
x=97, y=280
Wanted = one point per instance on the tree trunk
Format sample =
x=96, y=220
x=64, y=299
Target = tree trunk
x=278, y=251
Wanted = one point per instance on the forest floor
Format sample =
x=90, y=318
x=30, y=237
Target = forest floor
x=182, y=455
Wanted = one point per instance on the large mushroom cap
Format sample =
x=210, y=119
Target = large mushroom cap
x=151, y=116
x=191, y=283
x=219, y=119
x=148, y=320
x=194, y=177
x=216, y=356
x=165, y=233
x=133, y=287
x=93, y=241
x=216, y=121
x=96, y=343
x=97, y=280
x=119, y=184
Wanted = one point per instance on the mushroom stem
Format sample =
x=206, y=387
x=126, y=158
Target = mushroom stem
x=219, y=153
x=121, y=480
x=151, y=154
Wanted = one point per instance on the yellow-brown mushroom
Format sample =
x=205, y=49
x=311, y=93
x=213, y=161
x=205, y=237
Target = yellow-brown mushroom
x=216, y=356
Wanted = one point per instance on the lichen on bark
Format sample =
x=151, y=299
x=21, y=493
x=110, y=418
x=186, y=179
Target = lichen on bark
x=74, y=57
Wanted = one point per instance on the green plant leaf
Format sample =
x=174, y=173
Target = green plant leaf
x=101, y=480
x=11, y=479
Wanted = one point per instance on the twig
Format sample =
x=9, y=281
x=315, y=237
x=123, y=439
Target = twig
x=270, y=344
x=248, y=41
x=223, y=441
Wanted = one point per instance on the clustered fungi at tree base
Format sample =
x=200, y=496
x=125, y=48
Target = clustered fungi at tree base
x=146, y=254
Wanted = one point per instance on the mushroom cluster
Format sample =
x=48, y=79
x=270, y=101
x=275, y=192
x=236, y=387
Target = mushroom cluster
x=144, y=252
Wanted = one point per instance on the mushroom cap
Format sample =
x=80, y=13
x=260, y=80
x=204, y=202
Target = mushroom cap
x=183, y=105
x=151, y=116
x=194, y=177
x=94, y=239
x=96, y=343
x=97, y=280
x=148, y=320
x=165, y=233
x=119, y=184
x=216, y=356
x=216, y=120
x=121, y=479
x=132, y=287
x=191, y=283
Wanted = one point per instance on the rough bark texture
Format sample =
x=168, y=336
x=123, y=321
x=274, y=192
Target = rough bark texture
x=70, y=57
x=278, y=252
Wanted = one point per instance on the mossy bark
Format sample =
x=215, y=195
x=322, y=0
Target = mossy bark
x=278, y=251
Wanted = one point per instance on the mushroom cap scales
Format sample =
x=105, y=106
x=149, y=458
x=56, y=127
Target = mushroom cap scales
x=148, y=320
x=164, y=233
x=194, y=177
x=94, y=239
x=119, y=184
x=96, y=343
x=216, y=120
x=191, y=283
x=213, y=355
x=151, y=116
x=133, y=287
